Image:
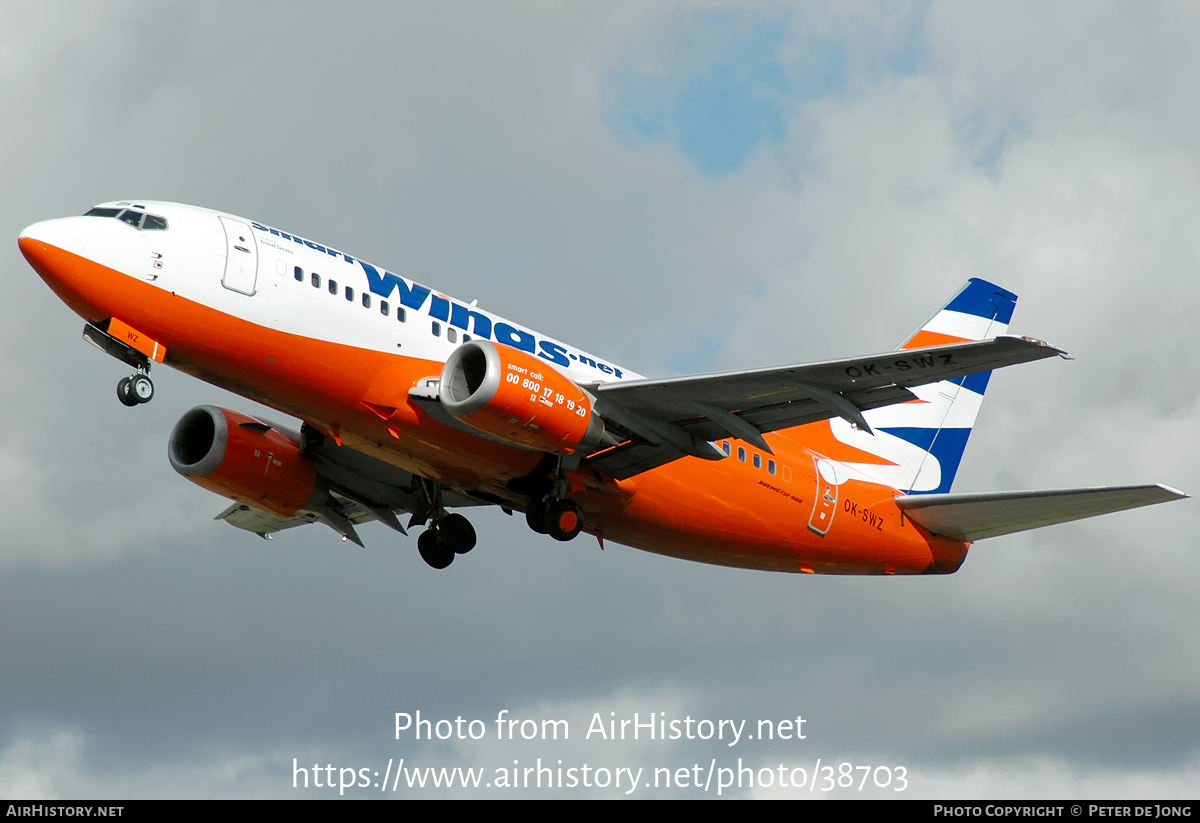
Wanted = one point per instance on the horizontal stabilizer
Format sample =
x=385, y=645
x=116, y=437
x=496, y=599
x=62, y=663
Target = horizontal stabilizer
x=970, y=517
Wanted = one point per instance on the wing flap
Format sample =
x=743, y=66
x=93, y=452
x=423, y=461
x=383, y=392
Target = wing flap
x=971, y=517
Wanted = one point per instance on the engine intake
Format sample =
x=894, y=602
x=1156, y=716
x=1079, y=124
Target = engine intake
x=517, y=397
x=242, y=458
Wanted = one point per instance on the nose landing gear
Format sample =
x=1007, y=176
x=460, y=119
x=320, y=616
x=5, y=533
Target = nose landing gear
x=135, y=390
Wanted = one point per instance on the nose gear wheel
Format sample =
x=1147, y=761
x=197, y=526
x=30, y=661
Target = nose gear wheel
x=135, y=390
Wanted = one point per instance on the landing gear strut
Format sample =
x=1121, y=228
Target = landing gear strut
x=135, y=390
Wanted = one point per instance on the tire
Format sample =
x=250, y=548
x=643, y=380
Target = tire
x=535, y=516
x=432, y=551
x=141, y=389
x=456, y=533
x=564, y=520
x=123, y=393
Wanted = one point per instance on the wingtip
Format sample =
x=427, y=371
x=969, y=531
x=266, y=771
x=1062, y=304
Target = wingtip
x=1063, y=353
x=1178, y=494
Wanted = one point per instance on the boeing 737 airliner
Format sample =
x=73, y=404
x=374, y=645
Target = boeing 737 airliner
x=414, y=403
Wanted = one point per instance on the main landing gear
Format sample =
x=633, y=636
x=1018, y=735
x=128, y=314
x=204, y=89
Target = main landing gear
x=447, y=535
x=135, y=390
x=560, y=518
x=451, y=535
x=549, y=510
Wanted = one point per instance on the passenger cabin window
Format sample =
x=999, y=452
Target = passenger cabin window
x=787, y=474
x=741, y=454
x=725, y=447
x=316, y=280
x=333, y=289
x=366, y=300
x=452, y=334
x=437, y=329
x=299, y=273
x=770, y=467
x=350, y=294
x=466, y=338
x=757, y=460
x=383, y=307
x=401, y=314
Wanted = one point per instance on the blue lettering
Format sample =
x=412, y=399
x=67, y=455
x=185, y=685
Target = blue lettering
x=554, y=353
x=441, y=308
x=509, y=336
x=461, y=316
x=385, y=284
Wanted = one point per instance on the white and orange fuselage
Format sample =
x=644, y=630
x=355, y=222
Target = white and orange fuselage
x=339, y=343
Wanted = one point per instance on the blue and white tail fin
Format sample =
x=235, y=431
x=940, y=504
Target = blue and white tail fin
x=921, y=443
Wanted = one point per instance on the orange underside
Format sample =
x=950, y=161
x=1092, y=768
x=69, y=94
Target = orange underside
x=724, y=512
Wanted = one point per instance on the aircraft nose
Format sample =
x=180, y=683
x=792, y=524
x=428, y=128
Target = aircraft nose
x=54, y=249
x=64, y=233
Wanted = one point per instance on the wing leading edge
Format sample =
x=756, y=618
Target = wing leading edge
x=969, y=517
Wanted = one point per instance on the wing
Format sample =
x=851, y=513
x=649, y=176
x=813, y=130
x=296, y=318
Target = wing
x=970, y=517
x=664, y=420
x=358, y=489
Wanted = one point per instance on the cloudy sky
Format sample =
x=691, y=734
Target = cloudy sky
x=678, y=187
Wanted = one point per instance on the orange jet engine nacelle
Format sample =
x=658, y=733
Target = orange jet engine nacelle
x=242, y=458
x=518, y=398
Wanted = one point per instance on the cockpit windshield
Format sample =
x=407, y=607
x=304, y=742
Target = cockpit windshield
x=138, y=219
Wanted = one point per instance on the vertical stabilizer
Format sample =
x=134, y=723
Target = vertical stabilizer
x=920, y=443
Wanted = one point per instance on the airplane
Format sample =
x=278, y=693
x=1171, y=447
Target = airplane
x=415, y=403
